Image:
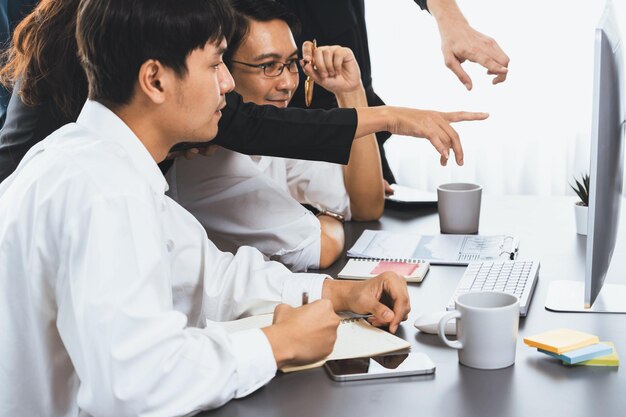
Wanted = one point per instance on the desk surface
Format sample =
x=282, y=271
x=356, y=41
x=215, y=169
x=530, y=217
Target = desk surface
x=535, y=385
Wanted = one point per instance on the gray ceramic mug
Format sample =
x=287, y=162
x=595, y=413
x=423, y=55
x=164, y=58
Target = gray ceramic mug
x=459, y=207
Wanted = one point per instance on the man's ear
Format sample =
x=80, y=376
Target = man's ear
x=153, y=80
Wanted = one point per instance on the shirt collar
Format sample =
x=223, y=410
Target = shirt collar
x=106, y=125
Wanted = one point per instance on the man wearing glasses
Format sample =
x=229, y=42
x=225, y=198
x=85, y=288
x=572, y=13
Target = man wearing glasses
x=263, y=59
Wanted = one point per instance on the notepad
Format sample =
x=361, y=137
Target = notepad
x=368, y=268
x=582, y=354
x=356, y=338
x=561, y=340
x=612, y=359
x=436, y=249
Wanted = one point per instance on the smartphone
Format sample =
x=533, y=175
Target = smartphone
x=385, y=366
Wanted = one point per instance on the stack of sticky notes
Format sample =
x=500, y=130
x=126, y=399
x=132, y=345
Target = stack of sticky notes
x=574, y=348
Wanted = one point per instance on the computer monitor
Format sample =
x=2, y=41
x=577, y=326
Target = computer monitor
x=606, y=174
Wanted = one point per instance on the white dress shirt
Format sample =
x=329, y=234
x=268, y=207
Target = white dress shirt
x=106, y=286
x=240, y=205
x=319, y=184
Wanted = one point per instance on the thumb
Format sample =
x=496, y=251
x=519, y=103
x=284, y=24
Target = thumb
x=381, y=312
x=307, y=68
x=307, y=51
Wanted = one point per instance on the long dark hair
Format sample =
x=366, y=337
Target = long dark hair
x=43, y=59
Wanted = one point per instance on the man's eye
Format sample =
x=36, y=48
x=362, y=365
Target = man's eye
x=270, y=66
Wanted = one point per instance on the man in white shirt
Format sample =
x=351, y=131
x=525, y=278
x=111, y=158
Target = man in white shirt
x=109, y=291
x=241, y=205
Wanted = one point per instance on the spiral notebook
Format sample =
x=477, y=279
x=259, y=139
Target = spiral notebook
x=436, y=249
x=361, y=268
x=356, y=338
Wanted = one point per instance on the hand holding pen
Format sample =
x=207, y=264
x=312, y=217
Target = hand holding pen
x=309, y=83
x=333, y=67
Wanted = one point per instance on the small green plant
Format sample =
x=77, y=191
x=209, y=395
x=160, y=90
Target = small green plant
x=582, y=189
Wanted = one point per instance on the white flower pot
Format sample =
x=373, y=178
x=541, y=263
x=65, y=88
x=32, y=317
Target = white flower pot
x=581, y=212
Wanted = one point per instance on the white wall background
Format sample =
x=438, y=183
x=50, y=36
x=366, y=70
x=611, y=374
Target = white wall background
x=537, y=136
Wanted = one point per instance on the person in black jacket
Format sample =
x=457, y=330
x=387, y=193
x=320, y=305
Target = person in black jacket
x=49, y=89
x=11, y=13
x=333, y=22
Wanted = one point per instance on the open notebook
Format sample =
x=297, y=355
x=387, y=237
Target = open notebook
x=436, y=249
x=356, y=338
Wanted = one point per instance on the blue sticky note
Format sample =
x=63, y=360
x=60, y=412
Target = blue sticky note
x=582, y=354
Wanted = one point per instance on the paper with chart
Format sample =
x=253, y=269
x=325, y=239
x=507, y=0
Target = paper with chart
x=436, y=249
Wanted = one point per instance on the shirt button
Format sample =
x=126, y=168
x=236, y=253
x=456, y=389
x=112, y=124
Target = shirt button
x=169, y=245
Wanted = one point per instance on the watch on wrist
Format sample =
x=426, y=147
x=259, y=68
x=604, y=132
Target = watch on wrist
x=332, y=214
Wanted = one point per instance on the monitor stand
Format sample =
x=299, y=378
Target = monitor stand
x=569, y=296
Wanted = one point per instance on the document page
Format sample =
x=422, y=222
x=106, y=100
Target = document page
x=436, y=249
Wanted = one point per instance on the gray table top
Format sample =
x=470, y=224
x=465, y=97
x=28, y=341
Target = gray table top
x=535, y=385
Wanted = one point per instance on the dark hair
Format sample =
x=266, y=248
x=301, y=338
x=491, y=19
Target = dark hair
x=259, y=11
x=43, y=59
x=115, y=37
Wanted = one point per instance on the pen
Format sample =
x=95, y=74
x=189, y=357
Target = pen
x=309, y=83
x=305, y=298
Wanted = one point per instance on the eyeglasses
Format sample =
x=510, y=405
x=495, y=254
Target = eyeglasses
x=273, y=69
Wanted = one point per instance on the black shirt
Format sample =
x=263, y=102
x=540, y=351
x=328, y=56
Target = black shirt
x=339, y=22
x=335, y=22
x=245, y=127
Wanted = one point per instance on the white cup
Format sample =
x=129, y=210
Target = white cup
x=486, y=329
x=459, y=207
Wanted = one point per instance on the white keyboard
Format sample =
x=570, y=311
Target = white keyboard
x=513, y=277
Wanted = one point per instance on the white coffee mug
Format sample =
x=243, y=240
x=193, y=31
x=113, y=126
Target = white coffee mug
x=486, y=329
x=459, y=207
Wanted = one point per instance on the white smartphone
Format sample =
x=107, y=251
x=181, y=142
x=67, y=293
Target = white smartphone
x=384, y=366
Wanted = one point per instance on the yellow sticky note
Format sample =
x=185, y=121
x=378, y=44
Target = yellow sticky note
x=561, y=340
x=606, y=360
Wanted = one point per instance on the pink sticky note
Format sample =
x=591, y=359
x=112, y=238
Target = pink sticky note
x=401, y=268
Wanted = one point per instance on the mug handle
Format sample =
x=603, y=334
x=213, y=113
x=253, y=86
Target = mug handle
x=455, y=344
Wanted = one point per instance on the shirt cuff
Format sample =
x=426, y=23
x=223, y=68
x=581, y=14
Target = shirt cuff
x=297, y=284
x=256, y=364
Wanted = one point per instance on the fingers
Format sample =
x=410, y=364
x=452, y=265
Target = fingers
x=454, y=64
x=209, y=150
x=394, y=290
x=388, y=189
x=397, y=290
x=465, y=116
x=307, y=51
x=500, y=78
x=191, y=153
x=496, y=60
x=338, y=60
x=324, y=59
x=327, y=61
x=489, y=54
x=455, y=142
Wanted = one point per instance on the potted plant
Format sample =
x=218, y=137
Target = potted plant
x=581, y=208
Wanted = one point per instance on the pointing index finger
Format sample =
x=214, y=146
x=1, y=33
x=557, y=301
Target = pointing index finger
x=464, y=116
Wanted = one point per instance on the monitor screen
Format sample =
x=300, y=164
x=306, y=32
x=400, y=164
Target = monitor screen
x=607, y=153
